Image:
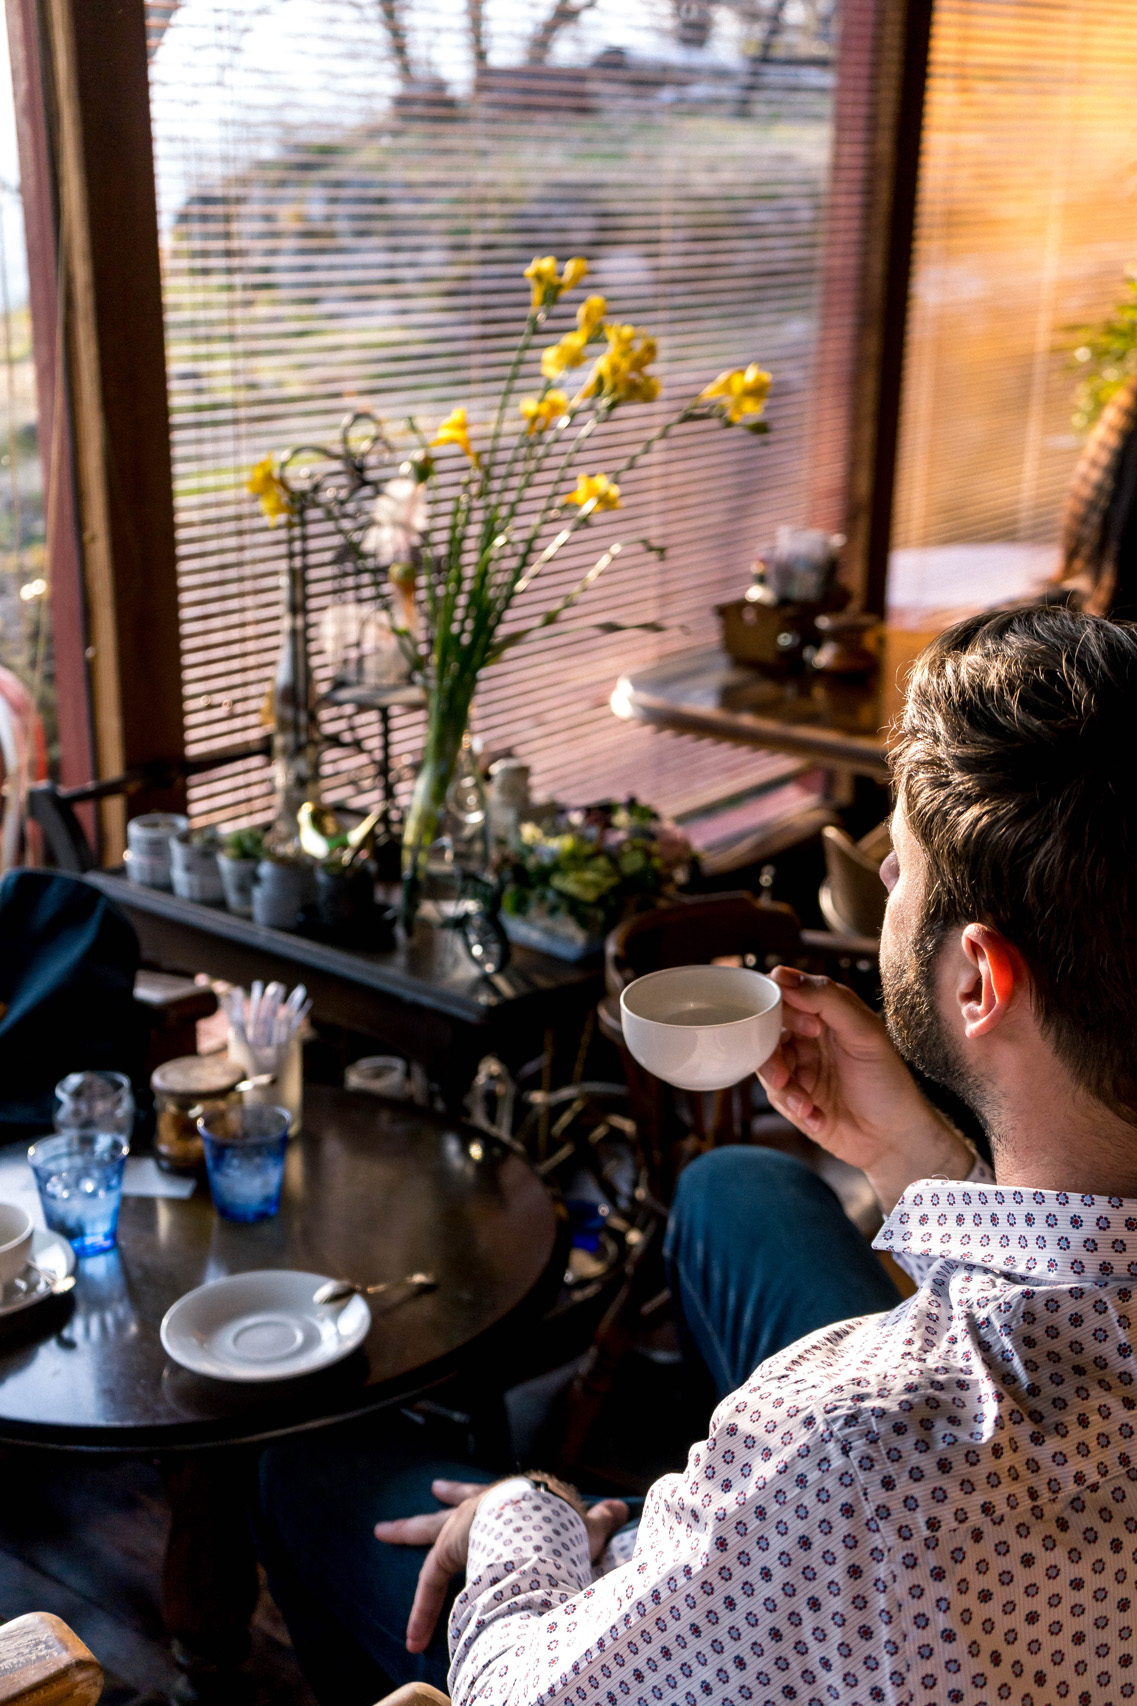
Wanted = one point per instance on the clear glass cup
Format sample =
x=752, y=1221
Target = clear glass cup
x=94, y=1102
x=244, y=1157
x=79, y=1178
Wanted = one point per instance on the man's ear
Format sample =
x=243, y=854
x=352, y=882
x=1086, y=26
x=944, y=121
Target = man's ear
x=995, y=972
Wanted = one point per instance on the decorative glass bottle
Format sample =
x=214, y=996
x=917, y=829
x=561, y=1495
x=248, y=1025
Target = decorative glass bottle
x=295, y=735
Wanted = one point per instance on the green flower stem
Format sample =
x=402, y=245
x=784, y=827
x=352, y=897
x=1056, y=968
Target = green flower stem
x=521, y=580
x=535, y=319
x=527, y=438
x=513, y=581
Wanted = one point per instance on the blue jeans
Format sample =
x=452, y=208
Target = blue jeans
x=759, y=1253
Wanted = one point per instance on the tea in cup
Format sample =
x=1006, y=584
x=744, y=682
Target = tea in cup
x=702, y=1027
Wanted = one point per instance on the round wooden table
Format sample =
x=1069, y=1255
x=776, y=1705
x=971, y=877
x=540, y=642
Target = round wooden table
x=373, y=1190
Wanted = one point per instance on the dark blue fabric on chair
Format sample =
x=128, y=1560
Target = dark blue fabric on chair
x=68, y=958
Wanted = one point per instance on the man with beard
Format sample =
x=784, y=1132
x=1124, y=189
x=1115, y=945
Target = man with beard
x=931, y=1501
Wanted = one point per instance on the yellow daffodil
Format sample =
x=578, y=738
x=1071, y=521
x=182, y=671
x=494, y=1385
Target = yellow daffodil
x=597, y=490
x=620, y=374
x=576, y=271
x=589, y=315
x=640, y=388
x=541, y=412
x=741, y=391
x=542, y=275
x=568, y=352
x=265, y=484
x=545, y=285
x=455, y=430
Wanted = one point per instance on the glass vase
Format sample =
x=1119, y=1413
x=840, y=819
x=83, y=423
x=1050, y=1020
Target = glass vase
x=448, y=716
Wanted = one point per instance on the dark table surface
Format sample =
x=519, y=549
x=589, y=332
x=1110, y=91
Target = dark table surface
x=832, y=722
x=373, y=1190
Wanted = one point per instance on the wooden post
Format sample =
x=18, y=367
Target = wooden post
x=105, y=307
x=63, y=562
x=882, y=70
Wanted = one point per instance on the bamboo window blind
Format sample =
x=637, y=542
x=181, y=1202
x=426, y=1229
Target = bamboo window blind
x=1026, y=224
x=348, y=194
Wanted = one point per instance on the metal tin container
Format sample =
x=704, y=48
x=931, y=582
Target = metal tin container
x=184, y=1090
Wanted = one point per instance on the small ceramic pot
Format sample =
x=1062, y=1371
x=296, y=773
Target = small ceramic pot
x=148, y=847
x=344, y=897
x=279, y=893
x=194, y=872
x=237, y=879
x=380, y=1075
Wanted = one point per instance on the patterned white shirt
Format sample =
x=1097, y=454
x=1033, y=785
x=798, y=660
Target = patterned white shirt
x=931, y=1507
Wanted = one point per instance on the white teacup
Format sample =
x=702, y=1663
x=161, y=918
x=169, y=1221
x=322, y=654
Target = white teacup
x=702, y=1027
x=15, y=1241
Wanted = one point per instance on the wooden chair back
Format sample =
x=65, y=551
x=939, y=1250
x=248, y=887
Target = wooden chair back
x=675, y=1125
x=695, y=929
x=44, y=1663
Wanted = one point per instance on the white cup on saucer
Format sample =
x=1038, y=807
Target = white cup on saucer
x=15, y=1241
x=702, y=1027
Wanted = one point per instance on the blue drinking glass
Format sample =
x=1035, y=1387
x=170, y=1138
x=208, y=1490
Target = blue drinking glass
x=79, y=1178
x=244, y=1157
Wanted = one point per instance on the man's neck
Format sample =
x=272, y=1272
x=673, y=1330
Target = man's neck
x=1080, y=1148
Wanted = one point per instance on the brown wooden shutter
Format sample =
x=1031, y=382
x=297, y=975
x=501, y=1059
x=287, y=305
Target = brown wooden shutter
x=1026, y=223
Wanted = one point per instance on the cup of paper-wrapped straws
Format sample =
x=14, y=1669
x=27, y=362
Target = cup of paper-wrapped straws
x=265, y=1031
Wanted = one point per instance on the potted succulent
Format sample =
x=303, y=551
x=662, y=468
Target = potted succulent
x=282, y=888
x=193, y=866
x=345, y=876
x=570, y=881
x=237, y=861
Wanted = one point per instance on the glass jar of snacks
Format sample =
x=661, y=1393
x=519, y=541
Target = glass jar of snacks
x=184, y=1090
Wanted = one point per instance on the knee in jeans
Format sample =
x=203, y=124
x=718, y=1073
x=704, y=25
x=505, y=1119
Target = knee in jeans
x=738, y=1180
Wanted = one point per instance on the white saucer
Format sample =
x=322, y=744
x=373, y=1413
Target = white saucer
x=261, y=1326
x=54, y=1257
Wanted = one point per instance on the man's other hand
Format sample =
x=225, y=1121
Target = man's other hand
x=837, y=1076
x=447, y=1533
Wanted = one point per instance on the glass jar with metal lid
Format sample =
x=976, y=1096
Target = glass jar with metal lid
x=184, y=1090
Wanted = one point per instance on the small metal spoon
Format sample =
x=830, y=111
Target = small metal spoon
x=259, y=1081
x=57, y=1283
x=338, y=1291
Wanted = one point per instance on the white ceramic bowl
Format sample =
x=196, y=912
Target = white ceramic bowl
x=15, y=1240
x=702, y=1027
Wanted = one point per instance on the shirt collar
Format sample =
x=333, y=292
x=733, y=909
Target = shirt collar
x=1051, y=1235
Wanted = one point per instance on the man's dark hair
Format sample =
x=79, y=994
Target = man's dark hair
x=1016, y=762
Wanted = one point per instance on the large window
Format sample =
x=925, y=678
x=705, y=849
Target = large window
x=349, y=191
x=1026, y=223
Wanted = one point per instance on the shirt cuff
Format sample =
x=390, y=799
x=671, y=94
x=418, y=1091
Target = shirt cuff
x=528, y=1554
x=512, y=1506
